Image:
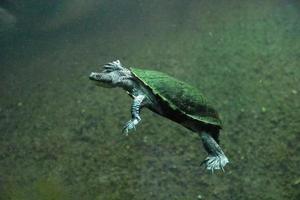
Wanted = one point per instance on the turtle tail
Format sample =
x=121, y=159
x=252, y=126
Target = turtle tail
x=216, y=158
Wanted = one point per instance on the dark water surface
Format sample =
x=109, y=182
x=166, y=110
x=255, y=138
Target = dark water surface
x=60, y=135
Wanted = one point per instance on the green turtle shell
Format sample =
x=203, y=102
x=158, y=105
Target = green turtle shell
x=179, y=96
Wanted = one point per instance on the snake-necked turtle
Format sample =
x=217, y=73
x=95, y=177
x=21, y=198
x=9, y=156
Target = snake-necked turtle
x=170, y=98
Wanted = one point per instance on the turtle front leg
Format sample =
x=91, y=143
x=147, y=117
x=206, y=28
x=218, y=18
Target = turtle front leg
x=216, y=158
x=135, y=113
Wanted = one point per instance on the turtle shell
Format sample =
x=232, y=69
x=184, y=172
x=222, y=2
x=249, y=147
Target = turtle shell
x=179, y=96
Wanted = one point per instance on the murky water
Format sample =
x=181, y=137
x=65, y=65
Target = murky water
x=60, y=135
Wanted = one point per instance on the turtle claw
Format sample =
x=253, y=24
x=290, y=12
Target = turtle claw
x=215, y=162
x=129, y=125
x=113, y=66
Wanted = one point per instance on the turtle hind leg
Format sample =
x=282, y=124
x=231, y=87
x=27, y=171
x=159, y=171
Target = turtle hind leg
x=216, y=158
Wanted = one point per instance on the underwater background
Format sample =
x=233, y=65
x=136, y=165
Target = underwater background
x=60, y=134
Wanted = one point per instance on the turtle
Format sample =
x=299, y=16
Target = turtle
x=170, y=98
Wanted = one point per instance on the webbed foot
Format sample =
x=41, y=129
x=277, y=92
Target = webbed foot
x=215, y=162
x=130, y=125
x=112, y=66
x=216, y=158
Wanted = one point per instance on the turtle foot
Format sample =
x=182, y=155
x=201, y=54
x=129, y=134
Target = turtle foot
x=216, y=162
x=130, y=125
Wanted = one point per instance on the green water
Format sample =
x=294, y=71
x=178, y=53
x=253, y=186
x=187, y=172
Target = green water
x=60, y=135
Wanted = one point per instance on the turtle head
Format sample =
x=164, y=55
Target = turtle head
x=112, y=75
